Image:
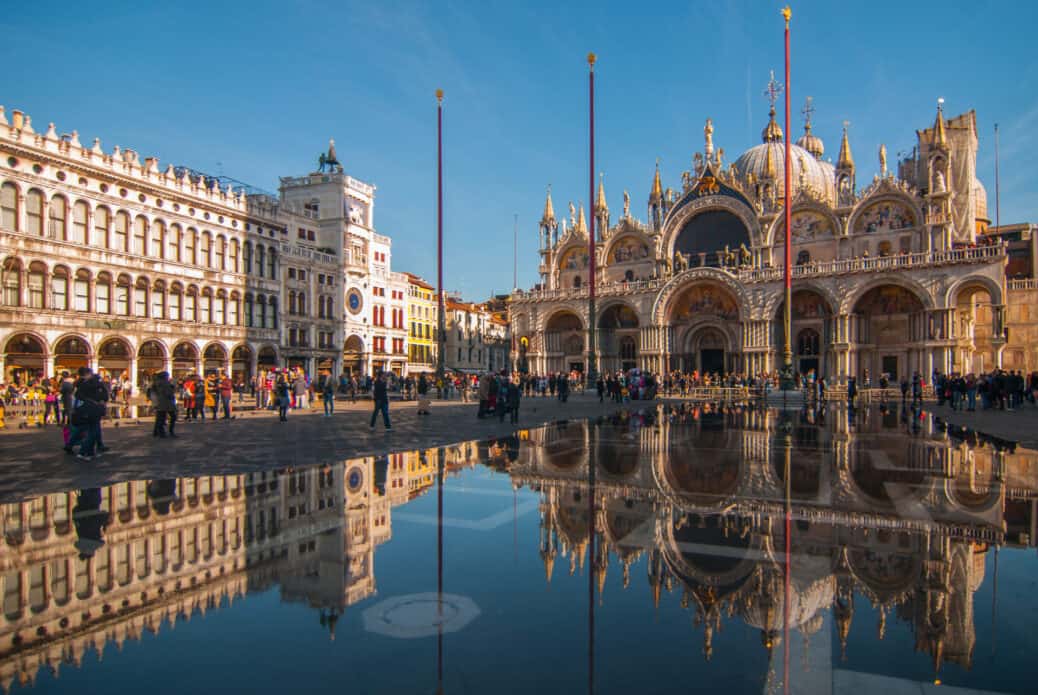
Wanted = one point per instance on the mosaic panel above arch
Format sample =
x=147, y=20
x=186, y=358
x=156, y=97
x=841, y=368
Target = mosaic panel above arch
x=885, y=216
x=704, y=300
x=575, y=258
x=887, y=300
x=629, y=249
x=807, y=225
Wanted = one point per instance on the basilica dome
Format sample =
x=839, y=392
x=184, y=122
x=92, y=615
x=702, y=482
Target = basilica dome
x=767, y=162
x=980, y=200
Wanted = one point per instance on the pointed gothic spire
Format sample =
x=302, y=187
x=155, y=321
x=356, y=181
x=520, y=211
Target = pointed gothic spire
x=581, y=221
x=769, y=164
x=600, y=199
x=845, y=160
x=548, y=218
x=940, y=138
x=657, y=186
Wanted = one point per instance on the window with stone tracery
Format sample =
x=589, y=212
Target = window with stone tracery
x=9, y=206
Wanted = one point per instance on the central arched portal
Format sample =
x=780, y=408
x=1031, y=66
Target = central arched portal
x=703, y=321
x=618, y=338
x=706, y=234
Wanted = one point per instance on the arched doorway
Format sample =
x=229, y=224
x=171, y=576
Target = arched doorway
x=214, y=359
x=113, y=356
x=151, y=359
x=266, y=358
x=353, y=356
x=564, y=342
x=618, y=338
x=977, y=320
x=890, y=330
x=24, y=357
x=704, y=324
x=71, y=353
x=185, y=360
x=809, y=338
x=241, y=364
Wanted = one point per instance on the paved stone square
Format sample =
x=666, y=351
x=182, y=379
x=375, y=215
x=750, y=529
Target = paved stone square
x=33, y=460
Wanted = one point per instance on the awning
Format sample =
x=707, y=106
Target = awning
x=420, y=369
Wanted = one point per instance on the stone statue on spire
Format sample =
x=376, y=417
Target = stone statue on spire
x=627, y=205
x=708, y=134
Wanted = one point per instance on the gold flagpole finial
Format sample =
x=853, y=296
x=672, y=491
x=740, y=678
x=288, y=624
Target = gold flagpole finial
x=591, y=58
x=787, y=13
x=439, y=95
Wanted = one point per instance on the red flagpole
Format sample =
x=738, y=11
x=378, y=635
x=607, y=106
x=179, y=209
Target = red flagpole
x=441, y=322
x=787, y=352
x=592, y=367
x=787, y=356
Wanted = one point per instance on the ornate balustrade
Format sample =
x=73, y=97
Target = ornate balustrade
x=907, y=261
x=1025, y=284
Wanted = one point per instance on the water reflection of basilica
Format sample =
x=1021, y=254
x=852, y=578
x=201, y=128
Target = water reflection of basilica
x=176, y=548
x=887, y=509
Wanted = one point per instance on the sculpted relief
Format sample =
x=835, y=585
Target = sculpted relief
x=886, y=216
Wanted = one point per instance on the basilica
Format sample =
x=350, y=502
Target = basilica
x=891, y=277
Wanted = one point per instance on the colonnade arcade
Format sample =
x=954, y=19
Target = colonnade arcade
x=704, y=321
x=28, y=354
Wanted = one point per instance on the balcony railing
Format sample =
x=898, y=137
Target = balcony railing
x=907, y=261
x=1025, y=284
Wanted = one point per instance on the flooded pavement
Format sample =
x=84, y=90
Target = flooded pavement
x=700, y=549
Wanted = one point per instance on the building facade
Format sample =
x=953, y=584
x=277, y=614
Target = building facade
x=893, y=278
x=422, y=313
x=113, y=262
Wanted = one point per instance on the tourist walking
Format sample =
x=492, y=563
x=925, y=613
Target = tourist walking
x=513, y=397
x=423, y=395
x=226, y=387
x=380, y=395
x=328, y=396
x=88, y=409
x=163, y=400
x=284, y=398
x=299, y=388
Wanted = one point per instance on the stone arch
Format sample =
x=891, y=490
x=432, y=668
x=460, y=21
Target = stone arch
x=775, y=301
x=681, y=214
x=850, y=301
x=557, y=320
x=267, y=356
x=681, y=282
x=973, y=282
x=620, y=310
x=214, y=357
x=25, y=356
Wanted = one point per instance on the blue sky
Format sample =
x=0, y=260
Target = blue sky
x=254, y=90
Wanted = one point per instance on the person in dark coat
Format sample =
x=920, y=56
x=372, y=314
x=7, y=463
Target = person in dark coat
x=852, y=390
x=514, y=394
x=380, y=395
x=164, y=401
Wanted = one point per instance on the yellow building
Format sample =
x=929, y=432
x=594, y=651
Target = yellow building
x=421, y=328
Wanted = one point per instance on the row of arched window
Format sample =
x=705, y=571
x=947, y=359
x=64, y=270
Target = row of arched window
x=37, y=287
x=100, y=227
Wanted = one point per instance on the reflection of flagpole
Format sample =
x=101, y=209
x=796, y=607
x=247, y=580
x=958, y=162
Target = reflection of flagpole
x=591, y=573
x=440, y=457
x=994, y=603
x=787, y=451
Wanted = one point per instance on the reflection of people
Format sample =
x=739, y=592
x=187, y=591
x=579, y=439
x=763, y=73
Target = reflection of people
x=90, y=522
x=162, y=494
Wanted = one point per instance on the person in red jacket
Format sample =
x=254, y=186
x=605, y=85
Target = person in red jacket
x=226, y=387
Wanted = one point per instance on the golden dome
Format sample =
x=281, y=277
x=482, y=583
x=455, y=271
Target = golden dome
x=772, y=132
x=767, y=162
x=811, y=142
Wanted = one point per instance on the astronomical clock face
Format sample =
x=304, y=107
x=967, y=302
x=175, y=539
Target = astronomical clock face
x=354, y=300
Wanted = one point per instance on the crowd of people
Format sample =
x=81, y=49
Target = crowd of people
x=79, y=403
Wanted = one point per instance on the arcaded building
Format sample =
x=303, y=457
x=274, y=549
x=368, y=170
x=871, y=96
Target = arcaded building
x=893, y=277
